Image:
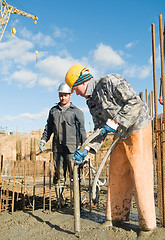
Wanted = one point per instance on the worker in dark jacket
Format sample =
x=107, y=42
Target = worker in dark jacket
x=66, y=123
x=115, y=105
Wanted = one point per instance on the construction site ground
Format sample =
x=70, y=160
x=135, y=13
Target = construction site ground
x=59, y=222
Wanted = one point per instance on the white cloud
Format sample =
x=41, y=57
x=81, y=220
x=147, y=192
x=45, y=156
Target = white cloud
x=138, y=72
x=24, y=77
x=16, y=51
x=5, y=67
x=18, y=54
x=53, y=69
x=158, y=58
x=16, y=57
x=64, y=33
x=43, y=41
x=47, y=82
x=26, y=116
x=53, y=66
x=131, y=71
x=144, y=71
x=131, y=44
x=39, y=39
x=107, y=57
x=25, y=33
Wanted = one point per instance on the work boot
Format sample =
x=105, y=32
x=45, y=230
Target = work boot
x=106, y=224
x=145, y=234
x=117, y=223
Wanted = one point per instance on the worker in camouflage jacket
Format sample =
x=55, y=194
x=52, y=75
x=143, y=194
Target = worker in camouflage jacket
x=115, y=105
x=66, y=123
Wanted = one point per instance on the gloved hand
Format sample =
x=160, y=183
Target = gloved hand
x=79, y=156
x=106, y=129
x=41, y=146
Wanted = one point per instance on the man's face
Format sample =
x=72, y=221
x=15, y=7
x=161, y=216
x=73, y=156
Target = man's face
x=64, y=99
x=81, y=89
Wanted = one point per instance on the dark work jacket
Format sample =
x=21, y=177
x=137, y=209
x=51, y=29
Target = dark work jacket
x=67, y=126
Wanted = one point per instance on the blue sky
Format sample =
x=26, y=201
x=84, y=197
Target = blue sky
x=103, y=35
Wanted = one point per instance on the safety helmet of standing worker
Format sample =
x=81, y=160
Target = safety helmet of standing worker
x=76, y=75
x=64, y=88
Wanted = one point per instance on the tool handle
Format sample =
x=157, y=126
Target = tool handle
x=90, y=138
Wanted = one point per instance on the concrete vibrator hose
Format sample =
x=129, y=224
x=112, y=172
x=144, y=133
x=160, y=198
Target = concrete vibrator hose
x=96, y=178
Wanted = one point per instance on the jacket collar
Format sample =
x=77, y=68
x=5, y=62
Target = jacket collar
x=91, y=87
x=71, y=105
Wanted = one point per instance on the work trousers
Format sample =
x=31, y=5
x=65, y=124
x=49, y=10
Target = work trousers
x=62, y=163
x=131, y=167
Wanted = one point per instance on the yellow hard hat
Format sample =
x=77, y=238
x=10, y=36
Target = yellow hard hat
x=74, y=73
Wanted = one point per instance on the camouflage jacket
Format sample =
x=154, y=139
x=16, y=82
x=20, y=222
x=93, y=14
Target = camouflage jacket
x=112, y=97
x=67, y=126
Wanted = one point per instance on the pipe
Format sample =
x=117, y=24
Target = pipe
x=77, y=225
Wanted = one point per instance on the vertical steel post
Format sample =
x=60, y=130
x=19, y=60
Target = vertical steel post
x=1, y=181
x=7, y=195
x=13, y=195
x=162, y=60
x=163, y=88
x=90, y=192
x=76, y=200
x=50, y=162
x=59, y=189
x=34, y=175
x=160, y=170
x=44, y=171
x=24, y=181
x=146, y=96
x=71, y=190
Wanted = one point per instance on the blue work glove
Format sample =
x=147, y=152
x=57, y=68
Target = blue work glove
x=106, y=129
x=41, y=146
x=79, y=156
